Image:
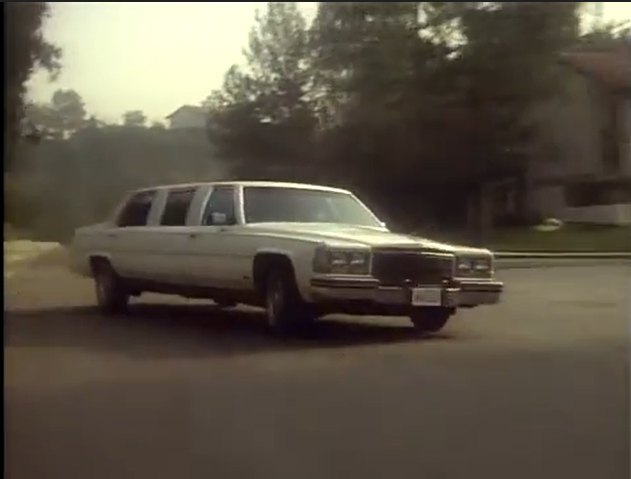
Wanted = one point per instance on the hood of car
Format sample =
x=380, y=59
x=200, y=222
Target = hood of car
x=341, y=235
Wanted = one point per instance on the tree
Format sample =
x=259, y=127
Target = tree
x=427, y=98
x=70, y=109
x=424, y=90
x=94, y=122
x=84, y=175
x=494, y=97
x=44, y=120
x=363, y=47
x=26, y=50
x=134, y=118
x=277, y=55
x=366, y=82
x=262, y=116
x=64, y=115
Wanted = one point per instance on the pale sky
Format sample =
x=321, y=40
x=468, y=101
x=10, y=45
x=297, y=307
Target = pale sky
x=156, y=57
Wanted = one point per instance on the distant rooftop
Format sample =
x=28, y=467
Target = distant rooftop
x=190, y=109
x=609, y=64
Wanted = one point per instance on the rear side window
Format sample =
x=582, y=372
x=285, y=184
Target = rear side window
x=176, y=209
x=136, y=211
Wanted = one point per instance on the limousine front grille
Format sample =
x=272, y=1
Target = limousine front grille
x=398, y=267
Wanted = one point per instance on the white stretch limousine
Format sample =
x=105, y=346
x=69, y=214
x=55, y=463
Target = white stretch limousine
x=298, y=250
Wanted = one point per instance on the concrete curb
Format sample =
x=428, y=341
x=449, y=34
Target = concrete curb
x=558, y=256
x=514, y=260
x=504, y=264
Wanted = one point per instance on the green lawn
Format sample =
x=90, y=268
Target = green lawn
x=570, y=238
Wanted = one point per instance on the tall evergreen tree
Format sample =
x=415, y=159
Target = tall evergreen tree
x=262, y=118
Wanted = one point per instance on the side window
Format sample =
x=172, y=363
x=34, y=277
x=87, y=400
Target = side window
x=136, y=211
x=220, y=207
x=176, y=208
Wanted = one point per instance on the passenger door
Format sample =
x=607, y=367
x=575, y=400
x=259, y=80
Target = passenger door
x=214, y=244
x=127, y=240
x=173, y=243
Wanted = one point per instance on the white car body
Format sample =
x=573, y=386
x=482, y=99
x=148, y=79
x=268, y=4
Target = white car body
x=219, y=261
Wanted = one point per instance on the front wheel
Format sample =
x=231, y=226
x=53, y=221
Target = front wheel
x=284, y=307
x=430, y=320
x=110, y=294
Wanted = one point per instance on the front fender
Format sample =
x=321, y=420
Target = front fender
x=301, y=262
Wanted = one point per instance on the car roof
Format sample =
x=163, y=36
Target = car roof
x=260, y=184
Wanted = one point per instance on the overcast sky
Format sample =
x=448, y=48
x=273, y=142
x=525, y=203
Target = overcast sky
x=156, y=57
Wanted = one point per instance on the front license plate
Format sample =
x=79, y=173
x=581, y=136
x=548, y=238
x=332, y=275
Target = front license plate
x=427, y=297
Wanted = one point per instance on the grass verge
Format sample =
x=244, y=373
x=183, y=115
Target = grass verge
x=570, y=238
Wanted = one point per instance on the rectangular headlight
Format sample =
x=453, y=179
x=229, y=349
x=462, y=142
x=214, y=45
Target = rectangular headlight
x=359, y=263
x=464, y=265
x=474, y=266
x=482, y=265
x=334, y=261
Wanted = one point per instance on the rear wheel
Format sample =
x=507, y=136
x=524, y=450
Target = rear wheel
x=430, y=320
x=284, y=309
x=111, y=295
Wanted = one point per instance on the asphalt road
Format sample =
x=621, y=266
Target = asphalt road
x=536, y=387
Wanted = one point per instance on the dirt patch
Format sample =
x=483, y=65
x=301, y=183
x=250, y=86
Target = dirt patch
x=23, y=255
x=55, y=257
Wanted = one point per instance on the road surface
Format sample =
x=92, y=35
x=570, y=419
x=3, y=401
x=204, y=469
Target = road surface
x=536, y=387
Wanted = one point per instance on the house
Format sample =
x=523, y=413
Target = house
x=187, y=117
x=581, y=170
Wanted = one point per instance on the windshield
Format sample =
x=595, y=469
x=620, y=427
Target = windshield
x=294, y=205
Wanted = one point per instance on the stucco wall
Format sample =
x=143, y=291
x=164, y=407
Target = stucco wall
x=619, y=214
x=572, y=144
x=568, y=142
x=624, y=123
x=547, y=201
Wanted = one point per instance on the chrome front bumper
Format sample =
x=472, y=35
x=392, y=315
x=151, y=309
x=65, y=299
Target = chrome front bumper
x=463, y=293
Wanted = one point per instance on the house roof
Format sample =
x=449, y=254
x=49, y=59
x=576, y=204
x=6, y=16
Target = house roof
x=610, y=65
x=189, y=108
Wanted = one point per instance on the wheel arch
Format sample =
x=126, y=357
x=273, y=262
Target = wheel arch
x=265, y=261
x=96, y=259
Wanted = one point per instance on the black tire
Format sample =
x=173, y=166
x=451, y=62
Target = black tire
x=111, y=295
x=284, y=309
x=430, y=320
